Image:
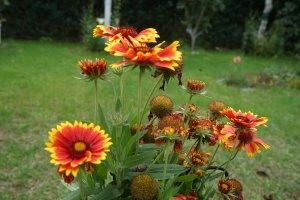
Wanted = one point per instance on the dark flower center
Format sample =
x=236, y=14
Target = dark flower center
x=245, y=135
x=142, y=49
x=126, y=32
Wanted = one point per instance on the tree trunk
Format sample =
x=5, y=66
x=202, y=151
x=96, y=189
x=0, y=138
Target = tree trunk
x=107, y=12
x=265, y=18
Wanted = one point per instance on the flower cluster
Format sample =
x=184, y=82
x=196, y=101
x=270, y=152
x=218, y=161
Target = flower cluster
x=167, y=156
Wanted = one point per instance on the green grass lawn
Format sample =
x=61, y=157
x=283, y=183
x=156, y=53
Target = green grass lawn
x=38, y=91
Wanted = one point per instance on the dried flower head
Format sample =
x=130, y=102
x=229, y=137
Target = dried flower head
x=236, y=186
x=224, y=186
x=198, y=125
x=199, y=172
x=216, y=107
x=143, y=187
x=199, y=158
x=161, y=106
x=172, y=121
x=195, y=86
x=93, y=70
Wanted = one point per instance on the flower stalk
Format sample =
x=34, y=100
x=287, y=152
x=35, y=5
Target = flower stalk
x=96, y=101
x=139, y=96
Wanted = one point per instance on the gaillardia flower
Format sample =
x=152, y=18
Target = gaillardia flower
x=247, y=119
x=230, y=189
x=72, y=145
x=195, y=86
x=93, y=70
x=242, y=138
x=113, y=33
x=136, y=52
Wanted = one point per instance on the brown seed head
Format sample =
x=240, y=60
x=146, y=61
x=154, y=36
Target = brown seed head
x=217, y=106
x=143, y=187
x=161, y=106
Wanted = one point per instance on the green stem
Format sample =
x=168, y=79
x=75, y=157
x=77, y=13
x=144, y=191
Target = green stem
x=80, y=185
x=122, y=92
x=186, y=107
x=96, y=94
x=139, y=109
x=212, y=158
x=166, y=162
x=149, y=97
x=154, y=161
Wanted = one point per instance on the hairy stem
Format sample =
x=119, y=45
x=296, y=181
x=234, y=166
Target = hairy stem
x=149, y=97
x=96, y=99
x=139, y=109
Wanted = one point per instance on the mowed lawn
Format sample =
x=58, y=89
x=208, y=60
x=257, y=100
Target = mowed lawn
x=39, y=90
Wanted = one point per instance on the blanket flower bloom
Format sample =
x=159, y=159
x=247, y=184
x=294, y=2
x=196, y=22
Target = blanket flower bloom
x=247, y=119
x=195, y=86
x=72, y=145
x=93, y=70
x=139, y=53
x=148, y=35
x=242, y=138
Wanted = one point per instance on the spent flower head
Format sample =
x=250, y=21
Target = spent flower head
x=143, y=187
x=161, y=106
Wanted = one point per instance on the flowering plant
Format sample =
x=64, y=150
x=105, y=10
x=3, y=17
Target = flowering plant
x=166, y=156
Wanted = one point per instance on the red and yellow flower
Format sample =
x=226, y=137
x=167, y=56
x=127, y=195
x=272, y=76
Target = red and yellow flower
x=72, y=145
x=117, y=33
x=242, y=138
x=93, y=69
x=195, y=86
x=136, y=52
x=247, y=119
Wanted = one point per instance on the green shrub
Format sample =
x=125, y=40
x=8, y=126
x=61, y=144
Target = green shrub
x=88, y=23
x=271, y=44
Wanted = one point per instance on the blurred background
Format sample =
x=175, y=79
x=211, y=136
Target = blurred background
x=247, y=52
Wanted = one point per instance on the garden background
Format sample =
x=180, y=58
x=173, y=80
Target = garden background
x=43, y=40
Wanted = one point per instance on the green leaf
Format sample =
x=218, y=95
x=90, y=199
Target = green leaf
x=100, y=172
x=210, y=178
x=102, y=119
x=111, y=192
x=135, y=160
x=74, y=195
x=171, y=168
x=157, y=171
x=187, y=178
x=118, y=105
x=130, y=144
